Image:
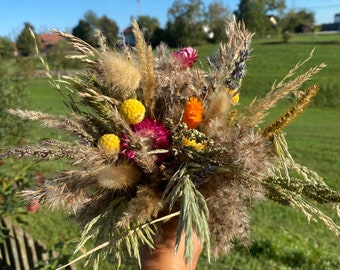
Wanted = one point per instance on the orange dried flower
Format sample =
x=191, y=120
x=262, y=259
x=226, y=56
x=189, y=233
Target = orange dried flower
x=193, y=113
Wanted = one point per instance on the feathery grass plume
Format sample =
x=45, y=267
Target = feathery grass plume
x=68, y=190
x=227, y=212
x=121, y=75
x=303, y=101
x=252, y=153
x=52, y=121
x=145, y=56
x=143, y=207
x=87, y=51
x=254, y=113
x=120, y=176
x=216, y=112
x=52, y=150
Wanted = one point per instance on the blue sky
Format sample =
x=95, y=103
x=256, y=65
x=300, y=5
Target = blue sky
x=65, y=14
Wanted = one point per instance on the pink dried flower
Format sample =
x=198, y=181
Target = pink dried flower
x=124, y=144
x=154, y=136
x=187, y=56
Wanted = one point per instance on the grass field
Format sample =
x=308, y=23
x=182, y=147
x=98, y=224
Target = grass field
x=283, y=239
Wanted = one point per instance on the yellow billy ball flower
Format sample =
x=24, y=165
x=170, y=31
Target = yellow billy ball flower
x=235, y=97
x=109, y=143
x=132, y=110
x=193, y=144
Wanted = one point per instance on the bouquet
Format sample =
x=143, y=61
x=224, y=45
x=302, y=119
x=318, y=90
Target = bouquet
x=152, y=137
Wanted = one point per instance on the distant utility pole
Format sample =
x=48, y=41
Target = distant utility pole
x=138, y=8
x=293, y=4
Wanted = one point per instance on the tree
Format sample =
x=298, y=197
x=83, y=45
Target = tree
x=25, y=41
x=148, y=26
x=85, y=32
x=185, y=23
x=216, y=18
x=159, y=36
x=255, y=14
x=86, y=29
x=294, y=22
x=109, y=30
x=91, y=18
x=6, y=48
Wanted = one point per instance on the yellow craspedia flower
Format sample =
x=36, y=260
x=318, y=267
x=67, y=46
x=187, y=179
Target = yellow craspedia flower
x=193, y=144
x=109, y=143
x=132, y=110
x=235, y=97
x=193, y=113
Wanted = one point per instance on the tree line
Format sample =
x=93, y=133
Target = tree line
x=189, y=22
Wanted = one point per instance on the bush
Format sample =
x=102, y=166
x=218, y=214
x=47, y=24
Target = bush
x=6, y=48
x=286, y=36
x=14, y=175
x=328, y=95
x=13, y=92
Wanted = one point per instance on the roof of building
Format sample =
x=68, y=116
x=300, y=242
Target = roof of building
x=48, y=39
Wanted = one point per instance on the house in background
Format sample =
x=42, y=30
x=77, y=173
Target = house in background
x=48, y=40
x=128, y=37
x=332, y=26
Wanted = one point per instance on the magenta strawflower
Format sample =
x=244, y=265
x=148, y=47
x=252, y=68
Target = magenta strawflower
x=154, y=135
x=187, y=56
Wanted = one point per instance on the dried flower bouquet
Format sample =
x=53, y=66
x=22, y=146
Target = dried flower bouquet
x=156, y=138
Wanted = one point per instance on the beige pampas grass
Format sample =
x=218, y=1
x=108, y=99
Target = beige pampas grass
x=216, y=113
x=121, y=75
x=118, y=177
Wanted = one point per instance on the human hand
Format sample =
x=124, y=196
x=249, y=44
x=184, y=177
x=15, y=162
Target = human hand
x=163, y=257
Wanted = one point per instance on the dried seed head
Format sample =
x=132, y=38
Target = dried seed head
x=121, y=75
x=118, y=177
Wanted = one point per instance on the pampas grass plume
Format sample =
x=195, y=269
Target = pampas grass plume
x=217, y=112
x=118, y=177
x=121, y=75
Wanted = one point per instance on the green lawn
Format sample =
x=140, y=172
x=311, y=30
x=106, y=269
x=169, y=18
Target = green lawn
x=283, y=239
